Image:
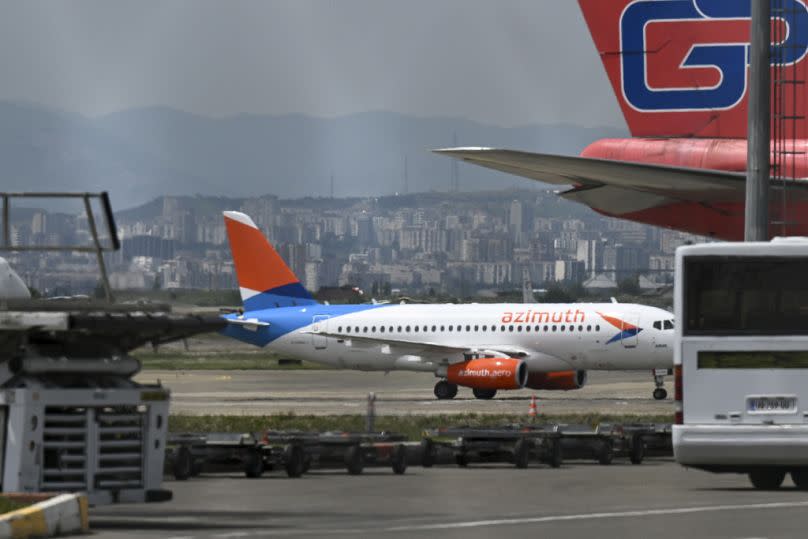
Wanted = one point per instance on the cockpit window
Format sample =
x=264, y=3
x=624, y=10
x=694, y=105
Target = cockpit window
x=668, y=324
x=658, y=324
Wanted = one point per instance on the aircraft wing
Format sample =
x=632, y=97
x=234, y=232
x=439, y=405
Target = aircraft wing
x=437, y=348
x=587, y=174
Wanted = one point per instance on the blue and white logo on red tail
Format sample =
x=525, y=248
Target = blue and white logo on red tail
x=626, y=330
x=706, y=66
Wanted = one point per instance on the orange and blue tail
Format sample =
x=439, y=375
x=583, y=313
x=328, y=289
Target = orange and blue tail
x=264, y=279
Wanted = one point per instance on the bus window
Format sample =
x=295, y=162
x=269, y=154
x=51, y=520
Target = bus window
x=731, y=295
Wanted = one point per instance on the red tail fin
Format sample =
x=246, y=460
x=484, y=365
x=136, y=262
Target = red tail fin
x=679, y=68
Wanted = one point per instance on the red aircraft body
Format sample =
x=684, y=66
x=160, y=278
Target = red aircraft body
x=680, y=72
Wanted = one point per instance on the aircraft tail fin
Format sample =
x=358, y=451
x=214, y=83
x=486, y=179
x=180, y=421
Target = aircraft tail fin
x=679, y=68
x=264, y=279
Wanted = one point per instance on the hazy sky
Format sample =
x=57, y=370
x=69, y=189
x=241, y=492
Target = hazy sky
x=504, y=62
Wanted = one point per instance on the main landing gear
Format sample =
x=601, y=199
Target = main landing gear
x=444, y=390
x=660, y=393
x=484, y=394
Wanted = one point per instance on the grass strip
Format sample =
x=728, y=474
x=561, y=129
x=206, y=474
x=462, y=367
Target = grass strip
x=410, y=425
x=6, y=505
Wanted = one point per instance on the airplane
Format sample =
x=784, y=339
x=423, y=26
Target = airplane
x=485, y=347
x=679, y=70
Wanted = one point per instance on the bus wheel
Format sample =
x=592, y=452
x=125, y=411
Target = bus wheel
x=767, y=479
x=800, y=478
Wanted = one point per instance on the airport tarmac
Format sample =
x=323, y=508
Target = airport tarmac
x=579, y=500
x=329, y=392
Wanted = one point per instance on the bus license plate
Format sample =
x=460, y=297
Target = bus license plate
x=771, y=405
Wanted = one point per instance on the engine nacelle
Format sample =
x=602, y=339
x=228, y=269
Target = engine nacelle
x=489, y=373
x=561, y=380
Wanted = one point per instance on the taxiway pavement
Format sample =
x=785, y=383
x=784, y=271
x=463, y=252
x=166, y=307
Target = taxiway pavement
x=329, y=392
x=579, y=500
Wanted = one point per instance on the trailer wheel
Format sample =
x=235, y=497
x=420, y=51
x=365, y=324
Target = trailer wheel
x=800, y=478
x=637, y=450
x=253, y=464
x=183, y=463
x=399, y=459
x=521, y=453
x=606, y=454
x=767, y=479
x=354, y=460
x=294, y=460
x=196, y=467
x=462, y=460
x=427, y=453
x=556, y=457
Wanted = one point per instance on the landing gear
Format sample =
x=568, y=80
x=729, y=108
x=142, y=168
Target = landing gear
x=660, y=393
x=484, y=394
x=444, y=390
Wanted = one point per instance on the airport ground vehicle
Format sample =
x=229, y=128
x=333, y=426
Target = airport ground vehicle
x=295, y=452
x=486, y=347
x=741, y=359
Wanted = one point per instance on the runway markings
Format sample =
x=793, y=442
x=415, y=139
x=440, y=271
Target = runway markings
x=595, y=516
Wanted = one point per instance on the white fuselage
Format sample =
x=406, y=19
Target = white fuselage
x=549, y=337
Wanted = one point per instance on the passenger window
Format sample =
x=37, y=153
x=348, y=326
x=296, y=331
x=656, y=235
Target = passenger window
x=597, y=328
x=434, y=329
x=443, y=328
x=510, y=328
x=527, y=328
x=589, y=328
x=554, y=328
x=416, y=329
x=373, y=330
x=356, y=329
x=476, y=328
x=537, y=328
x=339, y=329
x=408, y=329
x=502, y=328
x=348, y=329
x=426, y=328
x=381, y=329
x=399, y=329
x=580, y=328
x=485, y=328
x=468, y=328
x=518, y=328
x=391, y=329
x=546, y=328
x=563, y=328
x=365, y=329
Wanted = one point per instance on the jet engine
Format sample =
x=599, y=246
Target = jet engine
x=489, y=373
x=561, y=380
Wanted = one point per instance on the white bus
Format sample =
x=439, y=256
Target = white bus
x=741, y=359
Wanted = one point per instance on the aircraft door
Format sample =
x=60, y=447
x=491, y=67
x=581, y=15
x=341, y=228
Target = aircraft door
x=319, y=325
x=630, y=330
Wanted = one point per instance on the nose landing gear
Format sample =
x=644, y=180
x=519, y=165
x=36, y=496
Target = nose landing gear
x=660, y=393
x=444, y=390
